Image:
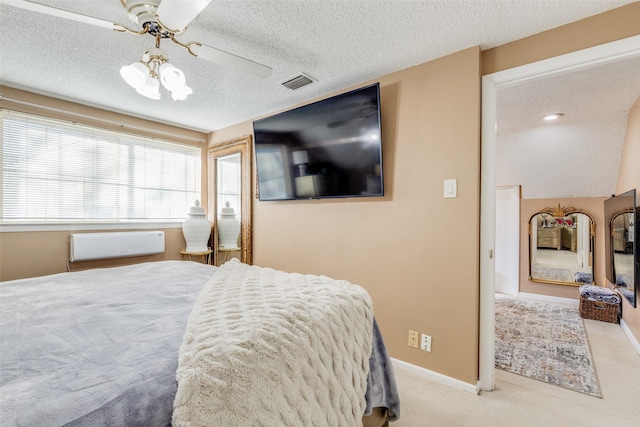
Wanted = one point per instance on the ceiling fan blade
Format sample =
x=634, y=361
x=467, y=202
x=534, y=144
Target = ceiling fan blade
x=175, y=15
x=221, y=57
x=48, y=10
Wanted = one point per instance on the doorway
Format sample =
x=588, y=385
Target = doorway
x=626, y=48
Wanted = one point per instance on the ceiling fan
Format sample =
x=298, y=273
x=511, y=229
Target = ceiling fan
x=162, y=19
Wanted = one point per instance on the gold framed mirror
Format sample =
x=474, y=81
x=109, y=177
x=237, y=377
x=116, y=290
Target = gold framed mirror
x=230, y=199
x=562, y=246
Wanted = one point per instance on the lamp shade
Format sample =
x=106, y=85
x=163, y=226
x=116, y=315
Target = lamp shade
x=300, y=157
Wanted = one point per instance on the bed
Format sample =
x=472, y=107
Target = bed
x=120, y=346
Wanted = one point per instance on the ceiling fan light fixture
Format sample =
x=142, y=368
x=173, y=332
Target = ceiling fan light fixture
x=145, y=76
x=135, y=74
x=147, y=15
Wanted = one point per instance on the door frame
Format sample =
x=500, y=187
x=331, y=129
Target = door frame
x=491, y=83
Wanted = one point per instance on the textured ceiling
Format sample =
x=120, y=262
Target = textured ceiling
x=339, y=43
x=577, y=155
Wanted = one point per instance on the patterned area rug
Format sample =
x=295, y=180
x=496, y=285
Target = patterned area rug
x=550, y=273
x=545, y=342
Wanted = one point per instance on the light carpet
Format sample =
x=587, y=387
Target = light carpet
x=545, y=342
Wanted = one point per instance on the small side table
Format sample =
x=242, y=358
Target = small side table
x=226, y=252
x=203, y=254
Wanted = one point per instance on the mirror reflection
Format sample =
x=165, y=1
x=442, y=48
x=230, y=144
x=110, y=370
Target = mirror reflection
x=561, y=247
x=623, y=226
x=228, y=211
x=229, y=188
x=622, y=266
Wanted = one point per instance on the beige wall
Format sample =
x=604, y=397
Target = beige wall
x=629, y=179
x=46, y=252
x=594, y=206
x=606, y=27
x=414, y=251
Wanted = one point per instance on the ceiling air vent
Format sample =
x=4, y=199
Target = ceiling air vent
x=297, y=82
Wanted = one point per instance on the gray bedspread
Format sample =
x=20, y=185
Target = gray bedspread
x=100, y=347
x=95, y=348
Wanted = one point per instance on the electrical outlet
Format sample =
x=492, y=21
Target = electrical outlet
x=413, y=339
x=425, y=343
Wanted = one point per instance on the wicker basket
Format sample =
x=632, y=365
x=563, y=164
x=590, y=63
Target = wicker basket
x=599, y=310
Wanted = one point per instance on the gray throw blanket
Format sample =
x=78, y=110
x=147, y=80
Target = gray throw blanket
x=598, y=293
x=382, y=391
x=265, y=347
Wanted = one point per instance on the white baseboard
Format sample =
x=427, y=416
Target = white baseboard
x=630, y=336
x=548, y=298
x=437, y=377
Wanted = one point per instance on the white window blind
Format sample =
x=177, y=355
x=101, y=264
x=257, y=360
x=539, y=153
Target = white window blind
x=55, y=170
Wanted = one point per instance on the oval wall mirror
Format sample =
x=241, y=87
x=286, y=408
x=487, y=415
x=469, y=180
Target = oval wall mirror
x=562, y=242
x=230, y=200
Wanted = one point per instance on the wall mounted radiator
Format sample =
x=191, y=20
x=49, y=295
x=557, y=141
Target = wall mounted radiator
x=92, y=246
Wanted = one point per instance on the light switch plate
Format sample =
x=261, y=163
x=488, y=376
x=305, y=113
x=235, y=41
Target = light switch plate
x=450, y=188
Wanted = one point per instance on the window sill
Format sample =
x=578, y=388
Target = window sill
x=22, y=227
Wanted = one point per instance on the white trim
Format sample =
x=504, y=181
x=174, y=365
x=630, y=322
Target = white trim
x=632, y=339
x=609, y=52
x=437, y=377
x=597, y=55
x=549, y=299
x=69, y=226
x=486, y=362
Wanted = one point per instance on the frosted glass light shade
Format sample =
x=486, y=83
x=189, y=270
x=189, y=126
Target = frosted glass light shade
x=181, y=94
x=151, y=88
x=171, y=77
x=135, y=74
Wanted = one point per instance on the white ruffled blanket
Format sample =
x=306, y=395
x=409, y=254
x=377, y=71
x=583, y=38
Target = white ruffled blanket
x=268, y=348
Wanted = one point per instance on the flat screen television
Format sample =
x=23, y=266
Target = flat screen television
x=330, y=148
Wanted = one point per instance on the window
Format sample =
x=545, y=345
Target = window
x=54, y=170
